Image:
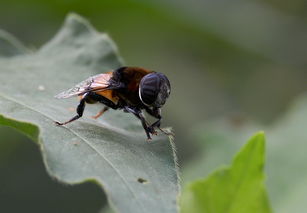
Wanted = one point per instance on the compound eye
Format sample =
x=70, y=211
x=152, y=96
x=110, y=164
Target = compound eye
x=149, y=88
x=154, y=89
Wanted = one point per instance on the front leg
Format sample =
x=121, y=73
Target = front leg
x=155, y=112
x=138, y=113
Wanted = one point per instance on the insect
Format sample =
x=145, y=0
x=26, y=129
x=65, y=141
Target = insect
x=131, y=89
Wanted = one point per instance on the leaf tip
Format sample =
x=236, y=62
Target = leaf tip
x=258, y=137
x=255, y=146
x=260, y=133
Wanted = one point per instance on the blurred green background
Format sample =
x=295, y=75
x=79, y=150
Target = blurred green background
x=241, y=60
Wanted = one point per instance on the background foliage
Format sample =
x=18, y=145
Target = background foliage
x=241, y=63
x=237, y=188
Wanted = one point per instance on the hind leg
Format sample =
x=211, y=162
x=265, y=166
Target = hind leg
x=80, y=110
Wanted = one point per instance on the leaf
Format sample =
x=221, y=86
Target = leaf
x=217, y=143
x=286, y=163
x=111, y=151
x=234, y=189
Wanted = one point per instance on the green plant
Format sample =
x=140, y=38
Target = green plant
x=235, y=189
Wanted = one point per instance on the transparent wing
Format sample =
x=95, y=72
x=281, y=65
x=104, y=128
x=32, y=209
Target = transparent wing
x=95, y=83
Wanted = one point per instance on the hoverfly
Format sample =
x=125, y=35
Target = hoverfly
x=131, y=89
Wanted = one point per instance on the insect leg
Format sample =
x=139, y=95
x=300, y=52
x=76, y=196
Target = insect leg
x=100, y=113
x=155, y=112
x=139, y=115
x=80, y=110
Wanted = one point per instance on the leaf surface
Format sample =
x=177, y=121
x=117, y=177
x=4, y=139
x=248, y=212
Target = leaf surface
x=235, y=189
x=111, y=151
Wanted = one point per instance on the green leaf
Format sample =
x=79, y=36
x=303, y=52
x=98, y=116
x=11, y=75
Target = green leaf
x=286, y=150
x=111, y=151
x=234, y=189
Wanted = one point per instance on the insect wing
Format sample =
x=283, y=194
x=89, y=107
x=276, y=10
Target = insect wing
x=94, y=83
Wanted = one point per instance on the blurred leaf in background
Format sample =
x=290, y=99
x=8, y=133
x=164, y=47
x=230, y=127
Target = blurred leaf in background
x=286, y=155
x=235, y=189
